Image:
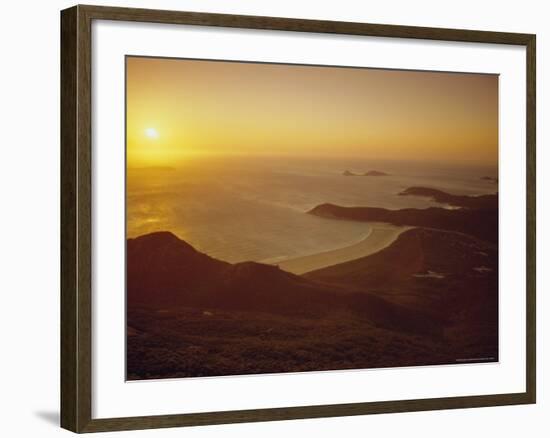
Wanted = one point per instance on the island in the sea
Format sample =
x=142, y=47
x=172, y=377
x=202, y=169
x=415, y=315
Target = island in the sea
x=427, y=295
x=492, y=179
x=368, y=173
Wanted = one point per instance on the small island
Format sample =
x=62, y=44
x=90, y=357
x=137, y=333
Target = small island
x=369, y=173
x=376, y=173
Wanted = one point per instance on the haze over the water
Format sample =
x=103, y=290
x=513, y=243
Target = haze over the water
x=239, y=209
x=177, y=109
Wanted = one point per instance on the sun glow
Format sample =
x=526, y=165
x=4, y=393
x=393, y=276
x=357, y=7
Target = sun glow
x=178, y=109
x=151, y=133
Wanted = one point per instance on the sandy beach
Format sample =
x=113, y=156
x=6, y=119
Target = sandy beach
x=380, y=236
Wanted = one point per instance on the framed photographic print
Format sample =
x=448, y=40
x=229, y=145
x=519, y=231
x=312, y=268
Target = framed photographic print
x=323, y=218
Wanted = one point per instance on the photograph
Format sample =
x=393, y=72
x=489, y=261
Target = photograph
x=285, y=218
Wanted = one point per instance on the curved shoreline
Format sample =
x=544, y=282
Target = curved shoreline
x=380, y=236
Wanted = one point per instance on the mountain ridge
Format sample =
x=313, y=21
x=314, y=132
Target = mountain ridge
x=474, y=215
x=178, y=278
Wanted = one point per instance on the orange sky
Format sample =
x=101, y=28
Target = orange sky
x=178, y=109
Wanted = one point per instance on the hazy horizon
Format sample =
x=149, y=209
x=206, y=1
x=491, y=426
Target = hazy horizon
x=336, y=159
x=198, y=203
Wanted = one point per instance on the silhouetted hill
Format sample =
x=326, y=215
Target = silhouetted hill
x=429, y=298
x=480, y=223
x=449, y=274
x=162, y=268
x=470, y=202
x=369, y=173
x=474, y=215
x=164, y=271
x=375, y=173
x=492, y=179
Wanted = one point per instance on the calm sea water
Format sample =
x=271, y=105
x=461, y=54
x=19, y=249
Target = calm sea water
x=238, y=209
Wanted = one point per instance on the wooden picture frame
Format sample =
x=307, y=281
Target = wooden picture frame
x=76, y=218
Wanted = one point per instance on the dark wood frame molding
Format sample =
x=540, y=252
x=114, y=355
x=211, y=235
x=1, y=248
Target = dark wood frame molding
x=76, y=172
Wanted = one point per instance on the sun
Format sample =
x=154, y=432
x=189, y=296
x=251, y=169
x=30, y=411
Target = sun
x=151, y=133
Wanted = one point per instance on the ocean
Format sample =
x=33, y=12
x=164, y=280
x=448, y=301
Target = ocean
x=254, y=208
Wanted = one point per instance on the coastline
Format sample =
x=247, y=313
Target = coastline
x=380, y=236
